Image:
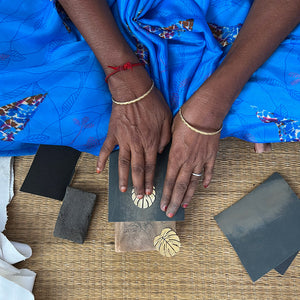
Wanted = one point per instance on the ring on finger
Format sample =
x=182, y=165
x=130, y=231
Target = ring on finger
x=197, y=174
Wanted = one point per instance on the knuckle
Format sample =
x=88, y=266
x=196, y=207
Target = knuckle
x=124, y=162
x=138, y=169
x=194, y=181
x=104, y=148
x=174, y=206
x=181, y=187
x=165, y=199
x=149, y=168
x=169, y=183
x=208, y=174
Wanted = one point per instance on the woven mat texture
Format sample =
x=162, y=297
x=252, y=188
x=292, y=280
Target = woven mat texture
x=207, y=267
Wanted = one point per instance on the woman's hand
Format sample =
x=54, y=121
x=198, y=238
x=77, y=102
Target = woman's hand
x=141, y=130
x=190, y=152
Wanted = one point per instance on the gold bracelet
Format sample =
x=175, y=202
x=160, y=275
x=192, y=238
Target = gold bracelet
x=134, y=100
x=195, y=129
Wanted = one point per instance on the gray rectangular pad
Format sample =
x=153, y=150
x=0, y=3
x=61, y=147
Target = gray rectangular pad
x=75, y=215
x=264, y=226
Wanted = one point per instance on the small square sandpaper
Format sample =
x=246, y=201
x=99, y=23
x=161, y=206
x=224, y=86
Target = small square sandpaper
x=264, y=227
x=125, y=207
x=75, y=215
x=51, y=171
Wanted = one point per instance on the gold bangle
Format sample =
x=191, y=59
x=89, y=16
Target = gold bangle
x=134, y=100
x=195, y=129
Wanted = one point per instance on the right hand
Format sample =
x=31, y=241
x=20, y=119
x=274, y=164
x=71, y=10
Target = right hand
x=141, y=129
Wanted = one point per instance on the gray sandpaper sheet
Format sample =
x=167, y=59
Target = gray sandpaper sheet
x=75, y=215
x=281, y=269
x=122, y=207
x=264, y=226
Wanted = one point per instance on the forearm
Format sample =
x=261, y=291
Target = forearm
x=95, y=22
x=266, y=26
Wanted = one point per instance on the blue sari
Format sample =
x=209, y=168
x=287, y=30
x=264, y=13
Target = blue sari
x=52, y=88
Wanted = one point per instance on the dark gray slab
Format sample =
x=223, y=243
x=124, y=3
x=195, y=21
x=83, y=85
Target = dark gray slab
x=264, y=226
x=75, y=215
x=51, y=171
x=281, y=269
x=121, y=205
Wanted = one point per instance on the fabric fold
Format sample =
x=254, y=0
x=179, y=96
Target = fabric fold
x=15, y=284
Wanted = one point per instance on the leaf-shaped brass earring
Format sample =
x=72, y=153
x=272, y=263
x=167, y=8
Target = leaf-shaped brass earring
x=167, y=243
x=146, y=201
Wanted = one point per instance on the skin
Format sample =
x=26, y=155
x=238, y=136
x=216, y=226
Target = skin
x=192, y=152
x=140, y=141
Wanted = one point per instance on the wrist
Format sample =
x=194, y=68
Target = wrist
x=199, y=112
x=118, y=58
x=130, y=84
x=215, y=97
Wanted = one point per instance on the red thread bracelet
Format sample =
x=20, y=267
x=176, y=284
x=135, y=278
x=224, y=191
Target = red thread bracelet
x=126, y=66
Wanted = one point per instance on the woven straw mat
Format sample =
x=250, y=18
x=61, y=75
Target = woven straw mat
x=206, y=267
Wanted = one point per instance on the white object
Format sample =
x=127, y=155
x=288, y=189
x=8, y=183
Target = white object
x=15, y=284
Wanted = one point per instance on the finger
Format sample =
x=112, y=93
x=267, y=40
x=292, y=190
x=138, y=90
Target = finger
x=208, y=172
x=180, y=188
x=150, y=160
x=137, y=171
x=191, y=190
x=165, y=136
x=124, y=166
x=171, y=175
x=107, y=147
x=262, y=147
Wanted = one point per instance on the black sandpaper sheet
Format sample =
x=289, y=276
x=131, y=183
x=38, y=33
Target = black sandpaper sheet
x=264, y=226
x=51, y=171
x=75, y=215
x=121, y=205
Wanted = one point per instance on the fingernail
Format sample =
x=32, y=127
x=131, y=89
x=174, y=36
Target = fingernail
x=98, y=170
x=170, y=215
x=140, y=196
x=123, y=189
x=206, y=186
x=164, y=208
x=148, y=192
x=184, y=205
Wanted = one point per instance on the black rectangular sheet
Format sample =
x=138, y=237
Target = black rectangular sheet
x=264, y=226
x=122, y=206
x=51, y=171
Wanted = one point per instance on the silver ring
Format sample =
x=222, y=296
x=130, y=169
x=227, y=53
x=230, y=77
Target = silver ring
x=198, y=175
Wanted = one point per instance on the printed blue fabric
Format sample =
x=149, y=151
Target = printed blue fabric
x=52, y=88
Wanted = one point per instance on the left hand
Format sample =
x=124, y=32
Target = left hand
x=190, y=152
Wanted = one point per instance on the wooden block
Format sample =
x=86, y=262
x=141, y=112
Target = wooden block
x=138, y=236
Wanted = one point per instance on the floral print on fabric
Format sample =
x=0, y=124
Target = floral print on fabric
x=142, y=52
x=288, y=129
x=172, y=30
x=65, y=18
x=15, y=116
x=225, y=35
